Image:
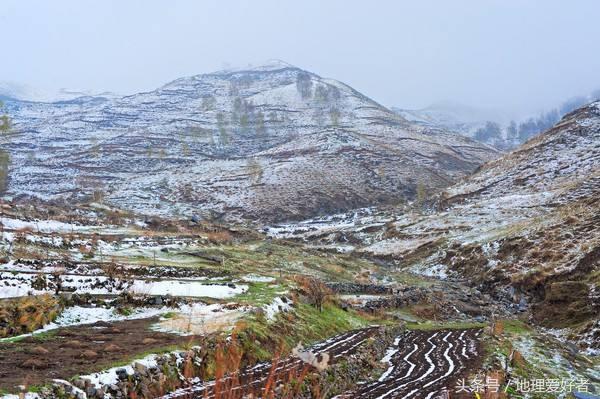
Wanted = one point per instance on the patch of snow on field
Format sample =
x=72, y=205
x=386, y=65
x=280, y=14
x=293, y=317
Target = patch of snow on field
x=437, y=270
x=82, y=315
x=19, y=284
x=43, y=226
x=78, y=315
x=186, y=288
x=27, y=395
x=549, y=357
x=252, y=278
x=108, y=377
x=278, y=305
x=200, y=318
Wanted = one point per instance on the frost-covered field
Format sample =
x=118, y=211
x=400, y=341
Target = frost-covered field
x=20, y=284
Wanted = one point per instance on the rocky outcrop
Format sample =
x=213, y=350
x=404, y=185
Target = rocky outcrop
x=358, y=288
x=142, y=379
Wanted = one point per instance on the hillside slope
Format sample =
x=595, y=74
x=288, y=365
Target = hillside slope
x=270, y=143
x=524, y=227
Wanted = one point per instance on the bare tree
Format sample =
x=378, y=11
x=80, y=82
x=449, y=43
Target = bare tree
x=255, y=170
x=316, y=291
x=57, y=279
x=421, y=193
x=5, y=127
x=5, y=123
x=304, y=85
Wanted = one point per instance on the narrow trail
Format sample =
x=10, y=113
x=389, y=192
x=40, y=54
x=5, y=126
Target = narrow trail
x=423, y=364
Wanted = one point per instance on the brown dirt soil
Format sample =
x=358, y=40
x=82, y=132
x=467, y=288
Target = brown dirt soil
x=79, y=350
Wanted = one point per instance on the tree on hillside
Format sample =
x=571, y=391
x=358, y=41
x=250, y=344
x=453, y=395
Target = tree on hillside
x=304, y=85
x=334, y=114
x=326, y=94
x=546, y=120
x=315, y=290
x=4, y=169
x=5, y=123
x=255, y=170
x=261, y=128
x=527, y=129
x=5, y=127
x=421, y=193
x=321, y=94
x=572, y=104
x=209, y=103
x=222, y=126
x=185, y=149
x=490, y=132
x=512, y=131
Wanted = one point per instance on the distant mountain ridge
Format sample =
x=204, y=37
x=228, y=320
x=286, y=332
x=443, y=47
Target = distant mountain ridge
x=272, y=142
x=19, y=92
x=492, y=127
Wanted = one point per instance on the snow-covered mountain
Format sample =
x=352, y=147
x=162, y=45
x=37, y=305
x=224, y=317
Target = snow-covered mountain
x=273, y=142
x=463, y=120
x=17, y=91
x=456, y=116
x=494, y=127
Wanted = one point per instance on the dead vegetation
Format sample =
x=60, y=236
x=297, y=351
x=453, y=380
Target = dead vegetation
x=24, y=315
x=315, y=290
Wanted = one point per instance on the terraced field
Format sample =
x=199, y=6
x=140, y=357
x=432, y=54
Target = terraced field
x=423, y=364
x=264, y=376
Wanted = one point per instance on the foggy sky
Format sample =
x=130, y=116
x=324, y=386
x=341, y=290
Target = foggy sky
x=515, y=55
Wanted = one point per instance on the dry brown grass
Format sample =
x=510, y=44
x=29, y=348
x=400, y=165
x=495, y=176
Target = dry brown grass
x=315, y=290
x=24, y=315
x=219, y=236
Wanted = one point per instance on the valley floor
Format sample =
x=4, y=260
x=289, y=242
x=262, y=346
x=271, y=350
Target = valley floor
x=143, y=308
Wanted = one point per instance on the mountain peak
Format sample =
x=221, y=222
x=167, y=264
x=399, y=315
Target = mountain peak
x=273, y=64
x=267, y=66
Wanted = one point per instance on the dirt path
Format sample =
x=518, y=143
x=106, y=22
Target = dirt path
x=70, y=351
x=422, y=364
x=256, y=379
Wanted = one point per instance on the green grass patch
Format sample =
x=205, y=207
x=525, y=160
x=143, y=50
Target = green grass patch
x=516, y=327
x=41, y=336
x=262, y=339
x=169, y=315
x=260, y=293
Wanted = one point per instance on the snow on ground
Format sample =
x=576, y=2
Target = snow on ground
x=394, y=245
x=78, y=315
x=546, y=357
x=27, y=395
x=43, y=226
x=108, y=377
x=436, y=270
x=278, y=305
x=252, y=278
x=199, y=318
x=186, y=289
x=19, y=284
